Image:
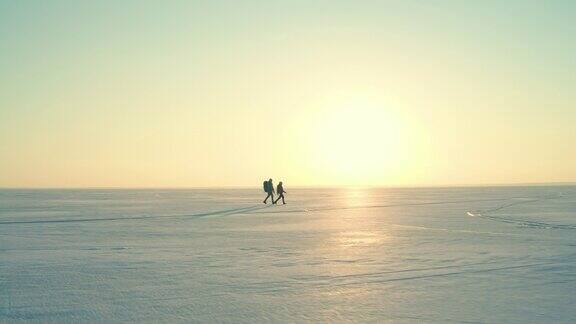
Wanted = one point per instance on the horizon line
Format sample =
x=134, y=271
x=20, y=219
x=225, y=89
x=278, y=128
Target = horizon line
x=518, y=184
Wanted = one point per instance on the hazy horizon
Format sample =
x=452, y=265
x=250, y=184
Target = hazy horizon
x=327, y=93
x=335, y=186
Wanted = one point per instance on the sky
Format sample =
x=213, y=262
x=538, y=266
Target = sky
x=314, y=93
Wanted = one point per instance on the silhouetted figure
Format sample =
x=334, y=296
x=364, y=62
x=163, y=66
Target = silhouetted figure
x=269, y=189
x=280, y=191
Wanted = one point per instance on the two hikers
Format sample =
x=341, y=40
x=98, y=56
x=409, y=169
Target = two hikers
x=269, y=189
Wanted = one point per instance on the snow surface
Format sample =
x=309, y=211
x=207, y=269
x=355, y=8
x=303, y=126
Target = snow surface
x=489, y=254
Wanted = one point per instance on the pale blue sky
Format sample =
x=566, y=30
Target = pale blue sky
x=185, y=93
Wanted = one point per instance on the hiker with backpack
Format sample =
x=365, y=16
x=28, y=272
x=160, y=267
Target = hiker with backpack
x=269, y=189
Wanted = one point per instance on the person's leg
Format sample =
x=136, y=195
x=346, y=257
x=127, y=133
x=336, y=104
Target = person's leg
x=272, y=195
x=275, y=201
x=283, y=202
x=265, y=200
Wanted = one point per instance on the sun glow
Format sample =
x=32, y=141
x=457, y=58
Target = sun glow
x=359, y=141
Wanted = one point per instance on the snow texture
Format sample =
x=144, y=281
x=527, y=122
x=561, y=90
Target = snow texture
x=486, y=254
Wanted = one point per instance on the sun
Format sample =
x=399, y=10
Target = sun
x=356, y=143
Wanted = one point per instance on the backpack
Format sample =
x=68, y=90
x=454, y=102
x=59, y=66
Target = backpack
x=265, y=185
